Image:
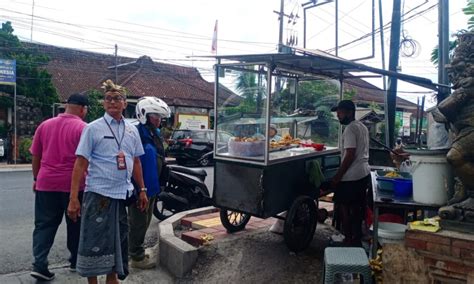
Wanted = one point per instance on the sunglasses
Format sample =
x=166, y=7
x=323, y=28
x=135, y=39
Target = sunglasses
x=117, y=99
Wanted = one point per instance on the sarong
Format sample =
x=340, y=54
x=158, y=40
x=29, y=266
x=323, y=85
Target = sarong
x=103, y=241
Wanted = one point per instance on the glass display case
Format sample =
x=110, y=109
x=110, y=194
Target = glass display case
x=276, y=109
x=274, y=114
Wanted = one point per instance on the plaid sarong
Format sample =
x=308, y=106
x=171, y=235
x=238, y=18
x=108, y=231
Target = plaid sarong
x=103, y=241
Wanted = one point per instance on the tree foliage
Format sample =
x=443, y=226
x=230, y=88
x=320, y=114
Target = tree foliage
x=469, y=11
x=311, y=95
x=96, y=109
x=33, y=80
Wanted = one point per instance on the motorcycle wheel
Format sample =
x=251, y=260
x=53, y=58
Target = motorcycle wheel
x=159, y=212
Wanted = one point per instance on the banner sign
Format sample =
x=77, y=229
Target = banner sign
x=193, y=121
x=7, y=71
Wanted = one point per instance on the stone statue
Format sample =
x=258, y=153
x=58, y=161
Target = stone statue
x=457, y=112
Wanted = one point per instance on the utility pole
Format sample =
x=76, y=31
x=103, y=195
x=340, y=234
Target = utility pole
x=280, y=33
x=116, y=48
x=384, y=79
x=32, y=15
x=392, y=66
x=443, y=47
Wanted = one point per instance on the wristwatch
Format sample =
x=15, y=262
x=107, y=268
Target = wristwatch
x=143, y=189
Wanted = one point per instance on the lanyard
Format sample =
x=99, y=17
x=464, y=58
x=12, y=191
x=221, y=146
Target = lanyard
x=119, y=144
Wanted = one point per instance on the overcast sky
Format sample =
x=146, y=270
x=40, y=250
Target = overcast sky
x=173, y=30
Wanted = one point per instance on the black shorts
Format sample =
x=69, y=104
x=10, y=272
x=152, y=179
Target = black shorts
x=352, y=192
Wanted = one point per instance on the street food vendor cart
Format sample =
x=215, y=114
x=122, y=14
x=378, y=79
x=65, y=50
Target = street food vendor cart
x=256, y=175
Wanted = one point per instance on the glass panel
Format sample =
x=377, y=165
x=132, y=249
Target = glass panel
x=181, y=134
x=241, y=113
x=199, y=135
x=301, y=116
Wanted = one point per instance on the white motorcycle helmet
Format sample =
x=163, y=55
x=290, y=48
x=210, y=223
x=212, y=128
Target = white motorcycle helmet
x=147, y=105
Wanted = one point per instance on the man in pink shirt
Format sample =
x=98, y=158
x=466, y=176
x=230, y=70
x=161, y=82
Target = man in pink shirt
x=53, y=149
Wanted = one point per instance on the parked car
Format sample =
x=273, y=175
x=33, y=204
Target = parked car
x=192, y=145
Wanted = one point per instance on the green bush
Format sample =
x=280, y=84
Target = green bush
x=24, y=150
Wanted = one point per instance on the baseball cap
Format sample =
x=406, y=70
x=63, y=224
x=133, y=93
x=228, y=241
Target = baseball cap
x=78, y=99
x=344, y=104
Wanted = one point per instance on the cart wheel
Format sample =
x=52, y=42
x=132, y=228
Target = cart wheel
x=234, y=221
x=323, y=214
x=300, y=223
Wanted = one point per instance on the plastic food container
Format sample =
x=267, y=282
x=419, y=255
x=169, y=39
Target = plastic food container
x=318, y=146
x=403, y=187
x=246, y=149
x=388, y=183
x=391, y=232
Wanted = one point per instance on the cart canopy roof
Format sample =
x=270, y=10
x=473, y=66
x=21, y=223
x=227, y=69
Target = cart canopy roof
x=309, y=64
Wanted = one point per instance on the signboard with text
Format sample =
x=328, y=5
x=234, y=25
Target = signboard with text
x=193, y=121
x=7, y=72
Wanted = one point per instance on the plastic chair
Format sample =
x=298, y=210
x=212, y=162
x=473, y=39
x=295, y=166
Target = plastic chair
x=346, y=260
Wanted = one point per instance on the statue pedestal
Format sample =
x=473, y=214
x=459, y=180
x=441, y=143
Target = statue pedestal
x=458, y=226
x=447, y=256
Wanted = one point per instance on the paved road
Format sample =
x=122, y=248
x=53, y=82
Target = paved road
x=16, y=224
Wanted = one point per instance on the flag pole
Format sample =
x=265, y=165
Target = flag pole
x=214, y=39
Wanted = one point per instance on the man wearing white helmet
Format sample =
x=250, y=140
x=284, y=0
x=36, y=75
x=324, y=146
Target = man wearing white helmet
x=149, y=112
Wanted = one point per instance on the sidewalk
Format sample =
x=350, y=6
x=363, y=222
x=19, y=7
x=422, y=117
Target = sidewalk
x=4, y=167
x=63, y=275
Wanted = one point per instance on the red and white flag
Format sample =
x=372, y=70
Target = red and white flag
x=214, y=40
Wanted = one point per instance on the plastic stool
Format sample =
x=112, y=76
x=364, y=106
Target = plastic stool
x=345, y=260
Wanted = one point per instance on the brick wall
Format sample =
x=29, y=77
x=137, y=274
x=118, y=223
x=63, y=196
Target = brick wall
x=448, y=256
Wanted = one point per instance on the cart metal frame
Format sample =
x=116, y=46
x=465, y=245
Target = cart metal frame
x=263, y=188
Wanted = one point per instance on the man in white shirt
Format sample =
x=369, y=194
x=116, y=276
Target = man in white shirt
x=353, y=177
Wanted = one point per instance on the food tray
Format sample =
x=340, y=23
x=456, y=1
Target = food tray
x=281, y=148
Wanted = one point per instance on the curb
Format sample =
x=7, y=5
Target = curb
x=176, y=255
x=15, y=169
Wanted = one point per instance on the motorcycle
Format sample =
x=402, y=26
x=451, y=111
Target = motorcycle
x=183, y=189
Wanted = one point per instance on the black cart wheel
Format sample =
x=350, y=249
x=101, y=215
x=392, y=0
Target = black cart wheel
x=323, y=214
x=234, y=221
x=160, y=212
x=300, y=223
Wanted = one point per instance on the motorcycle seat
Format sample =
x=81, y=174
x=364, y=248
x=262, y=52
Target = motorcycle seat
x=200, y=173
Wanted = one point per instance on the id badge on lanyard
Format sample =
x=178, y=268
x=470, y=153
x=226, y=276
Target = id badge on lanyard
x=121, y=162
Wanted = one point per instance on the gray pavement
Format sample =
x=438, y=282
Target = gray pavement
x=63, y=275
x=16, y=227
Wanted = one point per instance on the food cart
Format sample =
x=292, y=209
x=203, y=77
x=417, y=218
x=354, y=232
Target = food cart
x=256, y=175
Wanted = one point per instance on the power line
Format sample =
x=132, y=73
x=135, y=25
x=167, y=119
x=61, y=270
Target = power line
x=385, y=27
